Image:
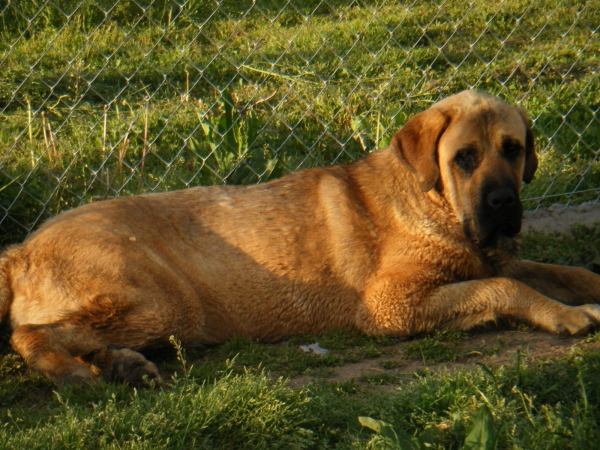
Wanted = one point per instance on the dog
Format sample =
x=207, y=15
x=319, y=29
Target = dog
x=418, y=236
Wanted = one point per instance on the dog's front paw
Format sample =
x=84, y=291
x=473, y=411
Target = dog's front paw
x=577, y=320
x=592, y=311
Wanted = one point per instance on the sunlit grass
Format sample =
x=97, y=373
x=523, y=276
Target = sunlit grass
x=180, y=96
x=170, y=97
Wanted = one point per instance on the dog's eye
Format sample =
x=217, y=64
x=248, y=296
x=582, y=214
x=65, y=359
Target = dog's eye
x=511, y=150
x=466, y=159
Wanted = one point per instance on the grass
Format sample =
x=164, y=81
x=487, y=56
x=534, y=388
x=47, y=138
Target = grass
x=104, y=98
x=542, y=404
x=579, y=247
x=285, y=359
x=101, y=99
x=441, y=346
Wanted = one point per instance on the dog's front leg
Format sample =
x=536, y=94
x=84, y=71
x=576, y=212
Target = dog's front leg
x=468, y=304
x=570, y=285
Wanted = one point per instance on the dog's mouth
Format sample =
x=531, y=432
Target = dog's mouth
x=496, y=217
x=504, y=231
x=488, y=234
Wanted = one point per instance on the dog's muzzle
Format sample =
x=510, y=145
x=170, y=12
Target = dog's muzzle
x=499, y=213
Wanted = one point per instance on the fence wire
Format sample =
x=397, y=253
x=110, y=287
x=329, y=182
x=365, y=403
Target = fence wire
x=102, y=98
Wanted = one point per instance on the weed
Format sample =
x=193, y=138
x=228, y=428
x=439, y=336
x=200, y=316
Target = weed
x=441, y=346
x=482, y=434
x=390, y=364
x=371, y=350
x=450, y=336
x=380, y=378
x=232, y=133
x=386, y=436
x=430, y=350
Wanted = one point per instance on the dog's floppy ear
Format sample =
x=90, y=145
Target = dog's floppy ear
x=416, y=144
x=531, y=160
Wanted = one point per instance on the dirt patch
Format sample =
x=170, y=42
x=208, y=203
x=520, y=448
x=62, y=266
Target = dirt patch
x=492, y=348
x=561, y=218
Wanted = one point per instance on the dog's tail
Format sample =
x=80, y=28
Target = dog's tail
x=5, y=291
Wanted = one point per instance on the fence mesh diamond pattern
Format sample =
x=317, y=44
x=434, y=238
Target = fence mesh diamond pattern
x=101, y=98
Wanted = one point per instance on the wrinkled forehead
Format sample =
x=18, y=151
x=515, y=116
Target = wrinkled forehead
x=486, y=123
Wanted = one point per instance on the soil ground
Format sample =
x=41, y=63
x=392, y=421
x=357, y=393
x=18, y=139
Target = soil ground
x=560, y=218
x=489, y=347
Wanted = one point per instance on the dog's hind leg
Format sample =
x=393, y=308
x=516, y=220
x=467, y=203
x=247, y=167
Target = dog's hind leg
x=52, y=348
x=569, y=285
x=64, y=350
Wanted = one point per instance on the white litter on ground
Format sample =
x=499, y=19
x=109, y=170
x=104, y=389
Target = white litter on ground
x=314, y=348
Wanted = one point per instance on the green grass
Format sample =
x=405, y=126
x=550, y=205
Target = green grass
x=541, y=404
x=189, y=96
x=284, y=359
x=441, y=346
x=579, y=247
x=178, y=96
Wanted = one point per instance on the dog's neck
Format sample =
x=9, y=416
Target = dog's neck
x=504, y=253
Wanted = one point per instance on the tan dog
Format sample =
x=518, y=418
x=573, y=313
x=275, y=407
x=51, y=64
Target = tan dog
x=414, y=237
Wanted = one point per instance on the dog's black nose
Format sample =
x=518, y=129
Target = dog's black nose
x=502, y=197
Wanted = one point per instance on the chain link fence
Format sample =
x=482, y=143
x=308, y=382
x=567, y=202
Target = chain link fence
x=101, y=98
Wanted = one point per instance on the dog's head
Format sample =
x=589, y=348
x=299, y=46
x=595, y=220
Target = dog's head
x=475, y=150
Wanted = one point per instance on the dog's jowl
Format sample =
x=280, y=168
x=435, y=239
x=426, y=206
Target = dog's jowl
x=421, y=235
